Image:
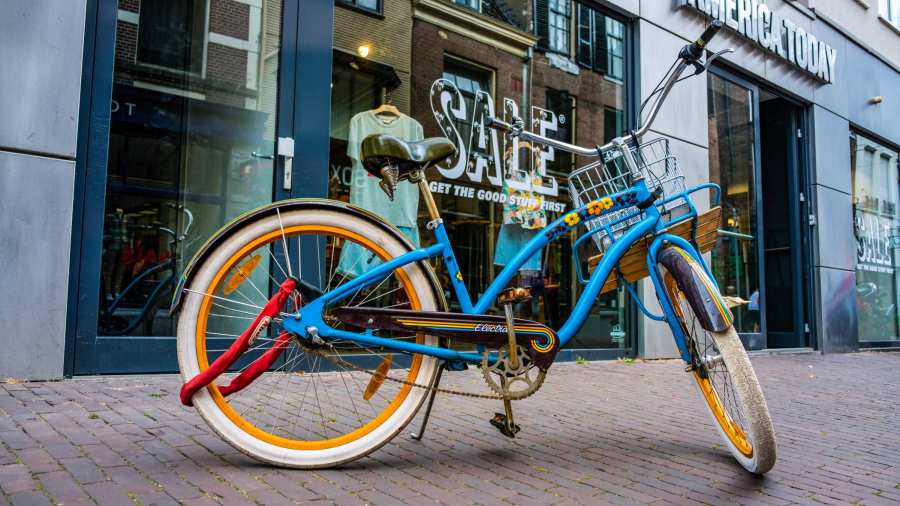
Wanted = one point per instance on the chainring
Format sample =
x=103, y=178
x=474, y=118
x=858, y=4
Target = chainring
x=509, y=383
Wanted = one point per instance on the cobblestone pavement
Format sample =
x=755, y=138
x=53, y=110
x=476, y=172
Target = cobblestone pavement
x=606, y=432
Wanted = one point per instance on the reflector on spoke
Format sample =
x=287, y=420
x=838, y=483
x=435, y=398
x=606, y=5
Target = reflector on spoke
x=242, y=274
x=378, y=378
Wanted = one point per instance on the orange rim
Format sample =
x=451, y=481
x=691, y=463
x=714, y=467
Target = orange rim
x=732, y=430
x=262, y=434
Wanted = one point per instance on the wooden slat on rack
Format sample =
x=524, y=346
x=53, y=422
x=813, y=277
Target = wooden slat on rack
x=633, y=263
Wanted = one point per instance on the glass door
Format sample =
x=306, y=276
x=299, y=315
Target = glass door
x=192, y=137
x=783, y=232
x=737, y=260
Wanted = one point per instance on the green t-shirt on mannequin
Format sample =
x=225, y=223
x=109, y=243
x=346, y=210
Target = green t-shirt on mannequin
x=403, y=211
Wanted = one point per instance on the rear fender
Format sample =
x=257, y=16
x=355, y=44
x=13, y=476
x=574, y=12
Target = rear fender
x=292, y=205
x=699, y=290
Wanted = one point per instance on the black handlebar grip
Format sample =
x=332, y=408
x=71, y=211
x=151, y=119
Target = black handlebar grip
x=708, y=34
x=693, y=51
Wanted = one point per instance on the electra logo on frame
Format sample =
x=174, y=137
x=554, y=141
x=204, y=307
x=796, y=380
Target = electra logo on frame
x=777, y=34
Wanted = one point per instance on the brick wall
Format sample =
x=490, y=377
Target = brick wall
x=130, y=5
x=229, y=18
x=391, y=40
x=226, y=69
x=126, y=42
x=593, y=93
x=432, y=44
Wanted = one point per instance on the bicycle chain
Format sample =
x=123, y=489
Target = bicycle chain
x=343, y=363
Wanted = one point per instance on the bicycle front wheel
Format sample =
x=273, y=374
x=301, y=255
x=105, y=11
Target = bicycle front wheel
x=320, y=406
x=728, y=386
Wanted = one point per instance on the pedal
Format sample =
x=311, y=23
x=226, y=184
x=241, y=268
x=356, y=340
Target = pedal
x=503, y=424
x=514, y=295
x=504, y=421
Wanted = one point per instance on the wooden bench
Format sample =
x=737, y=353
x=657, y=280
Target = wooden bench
x=633, y=265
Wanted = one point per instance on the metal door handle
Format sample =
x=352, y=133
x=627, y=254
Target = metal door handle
x=286, y=151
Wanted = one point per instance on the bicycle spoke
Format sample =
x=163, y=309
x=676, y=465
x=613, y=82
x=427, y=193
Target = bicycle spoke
x=223, y=298
x=284, y=244
x=310, y=395
x=277, y=264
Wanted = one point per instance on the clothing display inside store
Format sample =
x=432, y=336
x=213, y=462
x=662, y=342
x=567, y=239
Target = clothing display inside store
x=523, y=213
x=364, y=190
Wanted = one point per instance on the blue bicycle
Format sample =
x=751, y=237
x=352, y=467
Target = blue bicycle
x=311, y=331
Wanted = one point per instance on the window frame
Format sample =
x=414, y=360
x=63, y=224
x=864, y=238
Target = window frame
x=573, y=134
x=594, y=17
x=204, y=51
x=610, y=56
x=354, y=6
x=889, y=11
x=474, y=68
x=552, y=14
x=468, y=4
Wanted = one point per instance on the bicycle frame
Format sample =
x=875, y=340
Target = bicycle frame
x=309, y=321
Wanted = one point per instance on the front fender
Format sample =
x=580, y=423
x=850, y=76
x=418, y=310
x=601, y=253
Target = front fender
x=291, y=205
x=699, y=290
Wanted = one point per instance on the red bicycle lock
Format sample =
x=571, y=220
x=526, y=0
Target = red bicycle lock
x=239, y=347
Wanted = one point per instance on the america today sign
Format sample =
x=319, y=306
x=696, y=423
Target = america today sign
x=779, y=35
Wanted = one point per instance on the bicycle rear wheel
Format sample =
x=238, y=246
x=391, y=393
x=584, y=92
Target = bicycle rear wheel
x=313, y=410
x=728, y=386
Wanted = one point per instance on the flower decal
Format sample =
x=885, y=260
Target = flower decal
x=572, y=219
x=606, y=202
x=595, y=207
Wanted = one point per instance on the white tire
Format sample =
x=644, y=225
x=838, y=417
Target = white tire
x=749, y=395
x=727, y=384
x=234, y=431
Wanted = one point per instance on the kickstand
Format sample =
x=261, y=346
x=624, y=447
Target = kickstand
x=434, y=386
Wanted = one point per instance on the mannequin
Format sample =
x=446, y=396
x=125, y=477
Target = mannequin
x=403, y=211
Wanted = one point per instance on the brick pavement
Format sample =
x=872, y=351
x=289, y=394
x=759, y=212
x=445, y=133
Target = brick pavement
x=606, y=432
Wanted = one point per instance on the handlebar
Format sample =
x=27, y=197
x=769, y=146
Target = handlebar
x=695, y=50
x=189, y=216
x=689, y=55
x=517, y=128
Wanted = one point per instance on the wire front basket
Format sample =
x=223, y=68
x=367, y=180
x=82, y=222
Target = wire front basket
x=611, y=174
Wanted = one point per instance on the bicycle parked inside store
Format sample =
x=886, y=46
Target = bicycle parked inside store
x=311, y=331
x=151, y=280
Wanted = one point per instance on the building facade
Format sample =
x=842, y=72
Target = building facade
x=154, y=122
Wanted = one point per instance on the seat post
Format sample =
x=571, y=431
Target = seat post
x=419, y=177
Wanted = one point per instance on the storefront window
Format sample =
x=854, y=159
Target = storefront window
x=732, y=141
x=432, y=78
x=191, y=141
x=876, y=184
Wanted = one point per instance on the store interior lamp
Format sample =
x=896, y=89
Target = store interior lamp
x=363, y=51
